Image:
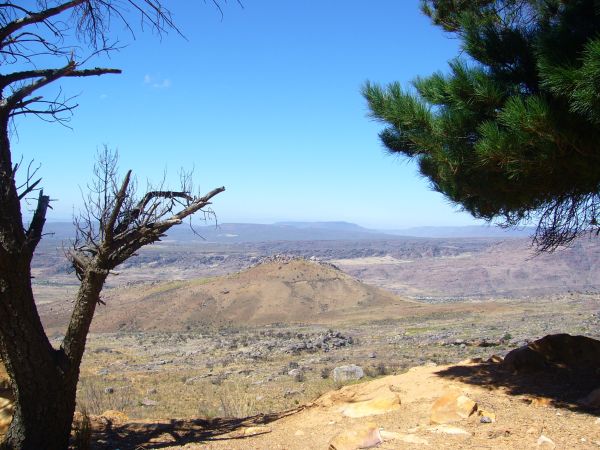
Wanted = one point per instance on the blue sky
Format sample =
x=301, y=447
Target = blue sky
x=266, y=101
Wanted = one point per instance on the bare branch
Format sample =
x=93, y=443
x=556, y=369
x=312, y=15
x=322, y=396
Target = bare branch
x=52, y=75
x=33, y=18
x=119, y=200
x=13, y=77
x=34, y=233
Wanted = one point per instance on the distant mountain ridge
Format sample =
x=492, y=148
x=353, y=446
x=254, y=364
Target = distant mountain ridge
x=305, y=231
x=336, y=225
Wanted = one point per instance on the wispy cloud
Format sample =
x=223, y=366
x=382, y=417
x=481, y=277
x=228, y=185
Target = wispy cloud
x=157, y=82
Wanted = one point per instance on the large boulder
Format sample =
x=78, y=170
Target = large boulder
x=343, y=374
x=575, y=353
x=362, y=400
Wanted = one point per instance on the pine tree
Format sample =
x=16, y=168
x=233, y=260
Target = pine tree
x=512, y=130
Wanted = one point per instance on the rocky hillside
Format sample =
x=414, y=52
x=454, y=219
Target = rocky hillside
x=277, y=290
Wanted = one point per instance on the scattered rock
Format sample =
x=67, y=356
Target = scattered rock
x=109, y=390
x=545, y=442
x=294, y=373
x=361, y=436
x=452, y=407
x=343, y=374
x=486, y=416
x=495, y=359
x=148, y=402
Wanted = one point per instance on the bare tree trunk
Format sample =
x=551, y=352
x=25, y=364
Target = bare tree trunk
x=43, y=414
x=45, y=398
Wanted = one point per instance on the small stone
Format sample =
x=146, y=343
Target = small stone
x=299, y=433
x=452, y=407
x=486, y=415
x=295, y=373
x=495, y=359
x=545, y=442
x=360, y=436
x=109, y=390
x=148, y=402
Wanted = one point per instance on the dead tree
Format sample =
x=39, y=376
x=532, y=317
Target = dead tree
x=70, y=32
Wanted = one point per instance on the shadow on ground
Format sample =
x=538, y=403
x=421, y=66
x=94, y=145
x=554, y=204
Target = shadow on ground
x=167, y=433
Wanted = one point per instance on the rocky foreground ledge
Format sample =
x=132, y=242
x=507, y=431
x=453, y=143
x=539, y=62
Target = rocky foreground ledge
x=545, y=395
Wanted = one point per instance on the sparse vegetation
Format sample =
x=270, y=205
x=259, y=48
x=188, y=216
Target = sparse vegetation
x=95, y=397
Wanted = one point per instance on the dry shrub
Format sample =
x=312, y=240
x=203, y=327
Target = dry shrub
x=230, y=399
x=94, y=399
x=236, y=401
